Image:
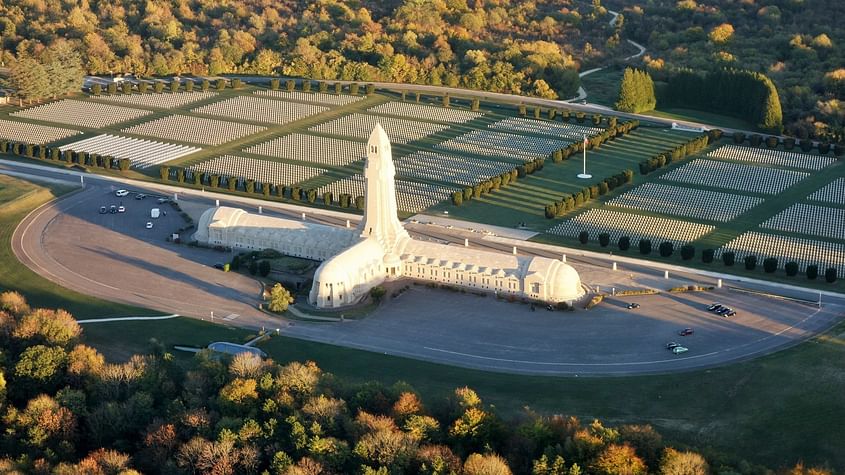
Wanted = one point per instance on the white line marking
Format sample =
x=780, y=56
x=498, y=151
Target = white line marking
x=124, y=319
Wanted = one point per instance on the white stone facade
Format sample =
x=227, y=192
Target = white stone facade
x=380, y=249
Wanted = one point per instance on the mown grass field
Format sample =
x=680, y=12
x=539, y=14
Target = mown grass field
x=17, y=199
x=774, y=410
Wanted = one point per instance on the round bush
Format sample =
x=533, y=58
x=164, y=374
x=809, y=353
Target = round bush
x=728, y=258
x=666, y=249
x=791, y=268
x=812, y=271
x=830, y=275
x=687, y=252
x=604, y=239
x=750, y=262
x=707, y=256
x=645, y=246
x=770, y=264
x=584, y=237
x=624, y=243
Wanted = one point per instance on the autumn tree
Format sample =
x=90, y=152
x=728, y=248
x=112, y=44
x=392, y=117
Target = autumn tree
x=280, y=298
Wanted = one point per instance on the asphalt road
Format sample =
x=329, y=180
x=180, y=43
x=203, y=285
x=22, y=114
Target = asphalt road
x=114, y=256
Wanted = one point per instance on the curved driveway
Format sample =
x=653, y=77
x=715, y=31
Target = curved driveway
x=113, y=256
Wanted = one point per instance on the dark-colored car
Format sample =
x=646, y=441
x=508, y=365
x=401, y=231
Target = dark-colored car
x=724, y=310
x=113, y=209
x=686, y=332
x=140, y=196
x=672, y=345
x=103, y=210
x=218, y=266
x=633, y=305
x=714, y=307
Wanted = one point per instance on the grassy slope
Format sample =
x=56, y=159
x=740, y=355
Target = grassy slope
x=771, y=411
x=17, y=199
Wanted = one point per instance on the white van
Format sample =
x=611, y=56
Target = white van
x=155, y=213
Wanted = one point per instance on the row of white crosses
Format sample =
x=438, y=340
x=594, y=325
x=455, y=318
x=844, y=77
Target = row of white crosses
x=834, y=193
x=199, y=130
x=427, y=112
x=82, y=113
x=571, y=132
x=315, y=97
x=735, y=176
x=785, y=249
x=410, y=196
x=688, y=202
x=312, y=148
x=259, y=109
x=449, y=168
x=617, y=224
x=32, y=133
x=500, y=144
x=780, y=158
x=261, y=171
x=167, y=100
x=142, y=153
x=809, y=219
x=361, y=126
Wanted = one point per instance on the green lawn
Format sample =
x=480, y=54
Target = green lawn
x=17, y=199
x=602, y=86
x=701, y=116
x=525, y=200
x=774, y=410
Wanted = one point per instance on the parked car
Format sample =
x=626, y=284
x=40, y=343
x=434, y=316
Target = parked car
x=121, y=193
x=714, y=307
x=121, y=209
x=633, y=305
x=686, y=332
x=162, y=200
x=672, y=345
x=730, y=314
x=112, y=209
x=218, y=266
x=722, y=311
x=679, y=349
x=140, y=196
x=149, y=225
x=103, y=210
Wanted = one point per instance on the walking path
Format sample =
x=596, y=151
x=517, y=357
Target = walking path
x=582, y=93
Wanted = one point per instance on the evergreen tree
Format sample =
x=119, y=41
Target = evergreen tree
x=636, y=93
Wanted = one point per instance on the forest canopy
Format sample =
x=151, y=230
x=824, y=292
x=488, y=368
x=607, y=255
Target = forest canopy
x=506, y=46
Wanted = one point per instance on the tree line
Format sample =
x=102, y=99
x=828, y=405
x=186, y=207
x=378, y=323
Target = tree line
x=66, y=410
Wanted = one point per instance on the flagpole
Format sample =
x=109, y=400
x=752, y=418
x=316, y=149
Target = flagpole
x=584, y=147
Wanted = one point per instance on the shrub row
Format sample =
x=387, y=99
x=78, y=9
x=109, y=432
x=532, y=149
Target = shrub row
x=806, y=145
x=306, y=85
x=496, y=182
x=687, y=251
x=44, y=152
x=233, y=183
x=660, y=160
x=576, y=200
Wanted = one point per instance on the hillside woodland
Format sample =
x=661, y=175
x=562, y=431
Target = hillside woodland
x=799, y=44
x=531, y=47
